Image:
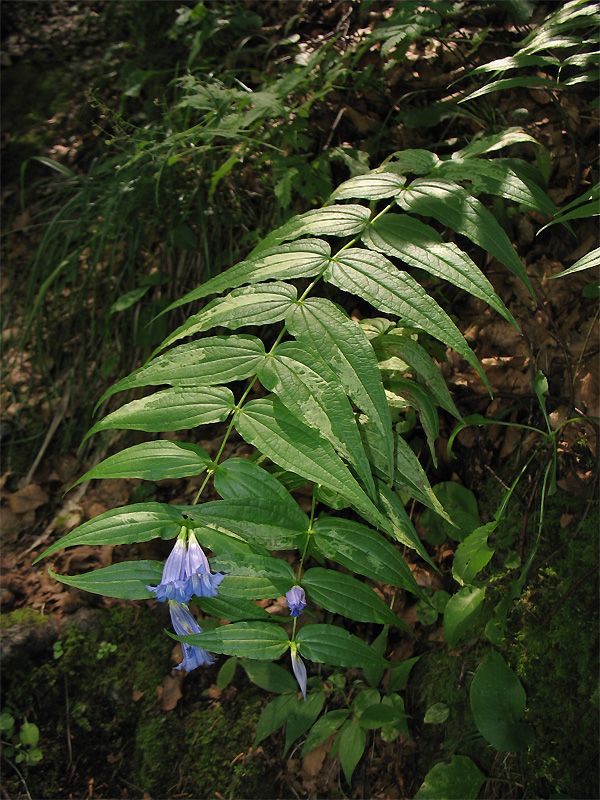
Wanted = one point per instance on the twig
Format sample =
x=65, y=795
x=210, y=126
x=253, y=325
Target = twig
x=58, y=416
x=68, y=723
x=18, y=771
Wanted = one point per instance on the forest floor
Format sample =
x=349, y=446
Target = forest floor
x=115, y=719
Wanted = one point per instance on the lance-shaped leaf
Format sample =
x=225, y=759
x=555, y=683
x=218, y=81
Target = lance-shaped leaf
x=497, y=178
x=373, y=186
x=239, y=478
x=152, y=461
x=272, y=524
x=371, y=275
x=276, y=432
x=363, y=550
x=496, y=141
x=249, y=305
x=403, y=529
x=324, y=329
x=276, y=570
x=323, y=728
x=415, y=243
x=343, y=594
x=262, y=640
x=451, y=205
x=210, y=361
x=254, y=587
x=302, y=716
x=420, y=162
x=329, y=644
x=171, y=409
x=319, y=401
x=592, y=259
x=288, y=261
x=421, y=399
x=347, y=220
x=423, y=366
x=351, y=746
x=127, y=580
x=136, y=523
x=234, y=609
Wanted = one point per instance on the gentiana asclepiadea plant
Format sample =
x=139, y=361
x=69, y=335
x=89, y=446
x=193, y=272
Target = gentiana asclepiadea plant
x=315, y=406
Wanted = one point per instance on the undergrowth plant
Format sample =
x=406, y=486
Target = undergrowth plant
x=316, y=396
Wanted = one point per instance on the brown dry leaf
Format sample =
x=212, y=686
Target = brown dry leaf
x=214, y=692
x=11, y=527
x=169, y=693
x=27, y=499
x=137, y=695
x=313, y=761
x=566, y=520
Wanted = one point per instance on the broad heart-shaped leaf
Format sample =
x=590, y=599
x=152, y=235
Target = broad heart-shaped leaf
x=319, y=401
x=338, y=220
x=152, y=461
x=461, y=779
x=136, y=523
x=424, y=368
x=170, y=410
x=497, y=178
x=352, y=743
x=271, y=523
x=332, y=645
x=239, y=478
x=249, y=305
x=210, y=361
x=278, y=434
x=343, y=594
x=396, y=292
x=451, y=205
x=127, y=580
x=302, y=259
x=364, y=551
x=498, y=702
x=233, y=609
x=322, y=328
x=461, y=611
x=262, y=640
x=373, y=186
x=417, y=244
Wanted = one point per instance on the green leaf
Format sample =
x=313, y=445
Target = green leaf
x=324, y=329
x=436, y=714
x=274, y=716
x=323, y=728
x=498, y=702
x=238, y=478
x=458, y=780
x=255, y=587
x=424, y=368
x=302, y=259
x=127, y=580
x=270, y=677
x=460, y=503
x=254, y=565
x=497, y=178
x=210, y=361
x=332, y=645
x=362, y=550
x=461, y=612
x=343, y=594
x=472, y=554
x=136, y=523
x=377, y=716
x=250, y=305
x=310, y=390
x=272, y=524
x=589, y=261
x=302, y=717
x=233, y=609
x=395, y=235
x=152, y=461
x=275, y=431
x=479, y=145
x=419, y=162
x=373, y=186
x=262, y=640
x=510, y=83
x=128, y=299
x=170, y=410
x=420, y=399
x=226, y=673
x=342, y=220
x=451, y=205
x=400, y=674
x=352, y=743
x=402, y=528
